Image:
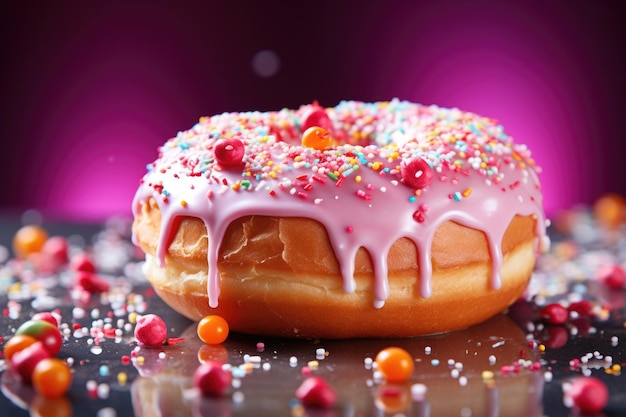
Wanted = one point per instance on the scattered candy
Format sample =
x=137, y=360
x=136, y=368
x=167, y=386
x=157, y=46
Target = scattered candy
x=395, y=364
x=150, y=330
x=52, y=377
x=16, y=344
x=91, y=283
x=554, y=314
x=316, y=392
x=610, y=210
x=212, y=329
x=613, y=276
x=28, y=240
x=82, y=262
x=46, y=316
x=44, y=332
x=56, y=249
x=211, y=379
x=588, y=394
x=24, y=361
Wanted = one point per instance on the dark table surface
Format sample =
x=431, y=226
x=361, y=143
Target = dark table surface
x=513, y=365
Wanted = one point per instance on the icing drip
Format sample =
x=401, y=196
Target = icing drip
x=356, y=189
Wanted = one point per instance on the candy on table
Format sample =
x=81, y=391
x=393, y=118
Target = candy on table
x=554, y=313
x=587, y=394
x=29, y=239
x=395, y=364
x=316, y=392
x=150, y=330
x=51, y=377
x=610, y=210
x=213, y=329
x=45, y=332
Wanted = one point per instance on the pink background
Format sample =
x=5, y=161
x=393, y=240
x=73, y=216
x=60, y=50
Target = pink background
x=90, y=89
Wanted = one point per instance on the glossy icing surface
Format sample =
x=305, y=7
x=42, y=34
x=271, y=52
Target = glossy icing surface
x=394, y=169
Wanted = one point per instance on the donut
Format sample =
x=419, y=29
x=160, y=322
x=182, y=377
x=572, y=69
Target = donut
x=384, y=219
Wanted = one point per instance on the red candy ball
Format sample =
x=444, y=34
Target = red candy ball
x=56, y=248
x=315, y=115
x=150, y=330
x=417, y=173
x=229, y=152
x=211, y=378
x=612, y=276
x=589, y=394
x=45, y=332
x=316, y=392
x=91, y=282
x=82, y=262
x=46, y=316
x=554, y=314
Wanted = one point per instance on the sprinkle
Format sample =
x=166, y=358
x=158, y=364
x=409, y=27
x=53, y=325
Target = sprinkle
x=122, y=377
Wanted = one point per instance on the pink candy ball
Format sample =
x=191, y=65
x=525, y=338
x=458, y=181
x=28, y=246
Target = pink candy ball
x=150, y=330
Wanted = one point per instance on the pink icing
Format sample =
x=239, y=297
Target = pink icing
x=481, y=179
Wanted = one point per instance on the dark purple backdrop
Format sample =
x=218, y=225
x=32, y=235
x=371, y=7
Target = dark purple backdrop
x=91, y=88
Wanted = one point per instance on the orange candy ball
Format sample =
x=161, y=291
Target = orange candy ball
x=29, y=239
x=610, y=210
x=317, y=138
x=52, y=377
x=213, y=329
x=395, y=364
x=16, y=344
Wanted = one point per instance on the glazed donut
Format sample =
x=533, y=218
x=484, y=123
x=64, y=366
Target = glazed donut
x=363, y=220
